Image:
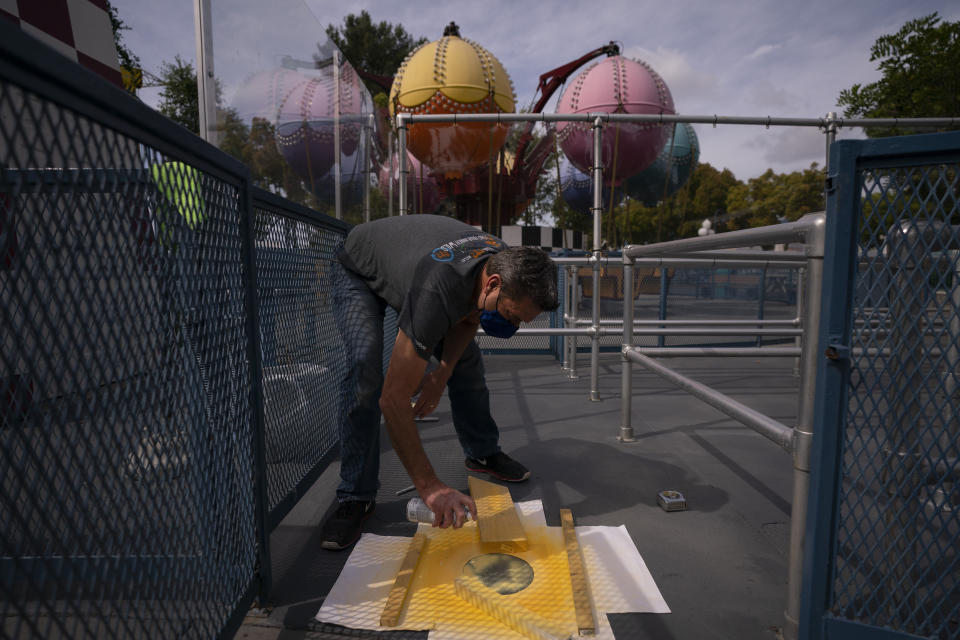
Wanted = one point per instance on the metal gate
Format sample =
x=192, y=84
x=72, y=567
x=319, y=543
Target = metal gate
x=883, y=536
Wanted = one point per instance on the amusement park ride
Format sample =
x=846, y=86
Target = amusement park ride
x=489, y=179
x=516, y=186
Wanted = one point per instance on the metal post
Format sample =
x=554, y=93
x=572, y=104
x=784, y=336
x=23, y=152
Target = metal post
x=337, y=201
x=567, y=319
x=951, y=382
x=206, y=87
x=626, y=376
x=368, y=163
x=753, y=325
x=597, y=208
x=803, y=432
x=661, y=340
x=664, y=118
x=576, y=310
x=616, y=328
x=762, y=294
x=801, y=304
x=254, y=358
x=783, y=232
x=831, y=134
x=402, y=164
x=390, y=158
x=766, y=426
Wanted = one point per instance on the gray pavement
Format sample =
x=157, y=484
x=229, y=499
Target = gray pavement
x=721, y=565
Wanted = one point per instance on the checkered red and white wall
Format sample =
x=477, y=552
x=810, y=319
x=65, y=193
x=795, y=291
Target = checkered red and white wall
x=79, y=29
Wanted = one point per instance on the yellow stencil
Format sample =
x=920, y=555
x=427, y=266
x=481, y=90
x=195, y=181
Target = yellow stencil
x=506, y=611
x=496, y=514
x=434, y=604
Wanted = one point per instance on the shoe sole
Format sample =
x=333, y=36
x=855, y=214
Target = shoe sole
x=333, y=546
x=497, y=475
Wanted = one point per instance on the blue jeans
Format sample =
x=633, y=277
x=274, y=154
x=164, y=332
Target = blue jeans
x=359, y=314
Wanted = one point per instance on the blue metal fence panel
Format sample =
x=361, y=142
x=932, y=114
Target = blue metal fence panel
x=148, y=420
x=302, y=355
x=883, y=538
x=127, y=498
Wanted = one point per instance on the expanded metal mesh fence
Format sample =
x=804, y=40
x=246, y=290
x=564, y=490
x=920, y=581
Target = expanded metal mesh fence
x=302, y=355
x=126, y=483
x=147, y=445
x=898, y=532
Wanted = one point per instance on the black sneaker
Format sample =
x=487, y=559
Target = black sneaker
x=500, y=466
x=342, y=529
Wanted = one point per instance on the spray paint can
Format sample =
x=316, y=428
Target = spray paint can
x=417, y=511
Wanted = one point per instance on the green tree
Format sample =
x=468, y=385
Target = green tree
x=234, y=135
x=545, y=193
x=775, y=197
x=178, y=98
x=635, y=223
x=548, y=200
x=678, y=216
x=920, y=66
x=255, y=145
x=566, y=217
x=129, y=61
x=706, y=196
x=377, y=48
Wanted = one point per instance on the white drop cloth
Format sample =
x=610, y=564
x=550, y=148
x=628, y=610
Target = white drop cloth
x=618, y=578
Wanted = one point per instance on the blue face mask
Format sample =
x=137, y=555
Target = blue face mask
x=494, y=324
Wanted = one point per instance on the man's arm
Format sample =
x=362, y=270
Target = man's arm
x=404, y=374
x=454, y=344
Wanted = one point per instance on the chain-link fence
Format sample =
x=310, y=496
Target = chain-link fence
x=888, y=526
x=147, y=444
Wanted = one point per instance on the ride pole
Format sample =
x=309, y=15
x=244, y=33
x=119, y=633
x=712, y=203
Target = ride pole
x=626, y=375
x=402, y=164
x=368, y=164
x=597, y=209
x=337, y=186
x=830, y=129
x=206, y=86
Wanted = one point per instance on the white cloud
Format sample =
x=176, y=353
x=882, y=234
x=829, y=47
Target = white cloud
x=716, y=57
x=789, y=145
x=676, y=70
x=762, y=50
x=765, y=95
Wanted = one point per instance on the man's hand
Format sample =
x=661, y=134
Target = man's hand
x=449, y=506
x=431, y=391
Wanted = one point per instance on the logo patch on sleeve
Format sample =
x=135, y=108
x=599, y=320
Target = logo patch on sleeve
x=467, y=248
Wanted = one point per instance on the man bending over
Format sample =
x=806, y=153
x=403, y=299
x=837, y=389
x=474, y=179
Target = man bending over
x=445, y=279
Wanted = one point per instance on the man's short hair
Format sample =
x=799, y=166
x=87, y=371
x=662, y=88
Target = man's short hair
x=527, y=271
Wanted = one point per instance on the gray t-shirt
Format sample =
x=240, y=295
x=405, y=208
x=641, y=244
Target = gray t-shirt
x=423, y=266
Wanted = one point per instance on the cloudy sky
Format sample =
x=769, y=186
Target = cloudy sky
x=744, y=58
